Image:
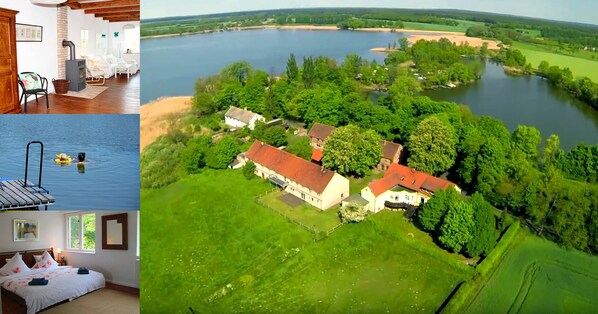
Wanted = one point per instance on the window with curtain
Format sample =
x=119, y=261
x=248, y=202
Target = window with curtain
x=131, y=39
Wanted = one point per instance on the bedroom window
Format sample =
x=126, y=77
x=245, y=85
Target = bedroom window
x=81, y=232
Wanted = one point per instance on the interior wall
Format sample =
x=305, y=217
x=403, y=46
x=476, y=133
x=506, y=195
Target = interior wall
x=116, y=44
x=118, y=266
x=37, y=57
x=51, y=226
x=78, y=20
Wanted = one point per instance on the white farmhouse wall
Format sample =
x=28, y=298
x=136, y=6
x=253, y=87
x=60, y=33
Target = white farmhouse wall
x=234, y=123
x=254, y=119
x=336, y=191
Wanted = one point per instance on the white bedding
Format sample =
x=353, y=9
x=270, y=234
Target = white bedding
x=63, y=284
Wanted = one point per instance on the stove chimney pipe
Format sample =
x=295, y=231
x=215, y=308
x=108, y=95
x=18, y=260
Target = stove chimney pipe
x=70, y=44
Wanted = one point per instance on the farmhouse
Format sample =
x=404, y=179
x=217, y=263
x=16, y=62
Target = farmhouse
x=315, y=185
x=239, y=118
x=390, y=155
x=402, y=187
x=318, y=134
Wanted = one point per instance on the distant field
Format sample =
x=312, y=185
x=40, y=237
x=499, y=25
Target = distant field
x=218, y=252
x=579, y=66
x=462, y=27
x=537, y=276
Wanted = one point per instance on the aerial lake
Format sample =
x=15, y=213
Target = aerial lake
x=109, y=179
x=171, y=66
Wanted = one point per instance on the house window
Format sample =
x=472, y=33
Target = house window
x=131, y=39
x=81, y=232
x=302, y=196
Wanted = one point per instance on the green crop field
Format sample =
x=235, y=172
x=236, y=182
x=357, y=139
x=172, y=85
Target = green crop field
x=215, y=251
x=537, y=276
x=579, y=66
x=462, y=27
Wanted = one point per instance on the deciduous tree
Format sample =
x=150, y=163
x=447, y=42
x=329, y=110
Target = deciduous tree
x=432, y=146
x=350, y=150
x=222, y=153
x=483, y=233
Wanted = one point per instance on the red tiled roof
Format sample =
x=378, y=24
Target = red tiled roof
x=408, y=178
x=390, y=149
x=321, y=131
x=290, y=166
x=317, y=155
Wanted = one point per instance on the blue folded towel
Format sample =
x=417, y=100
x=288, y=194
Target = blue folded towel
x=38, y=282
x=83, y=271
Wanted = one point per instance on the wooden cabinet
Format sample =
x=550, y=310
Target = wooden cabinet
x=9, y=88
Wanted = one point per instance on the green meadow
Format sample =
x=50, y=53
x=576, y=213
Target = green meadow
x=579, y=66
x=462, y=27
x=213, y=251
x=537, y=276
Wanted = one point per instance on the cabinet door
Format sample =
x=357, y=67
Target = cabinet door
x=8, y=75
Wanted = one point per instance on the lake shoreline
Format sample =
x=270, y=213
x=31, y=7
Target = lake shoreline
x=153, y=117
x=310, y=28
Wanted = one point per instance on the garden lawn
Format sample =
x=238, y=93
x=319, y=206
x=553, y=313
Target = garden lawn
x=208, y=246
x=579, y=67
x=357, y=184
x=309, y=215
x=537, y=276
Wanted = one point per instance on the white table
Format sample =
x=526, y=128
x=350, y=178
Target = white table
x=124, y=68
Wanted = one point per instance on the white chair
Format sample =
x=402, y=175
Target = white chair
x=95, y=75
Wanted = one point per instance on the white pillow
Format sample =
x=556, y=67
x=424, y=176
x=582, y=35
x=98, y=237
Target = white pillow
x=37, y=257
x=45, y=262
x=14, y=266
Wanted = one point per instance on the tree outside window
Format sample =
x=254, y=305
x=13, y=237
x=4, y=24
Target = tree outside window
x=81, y=232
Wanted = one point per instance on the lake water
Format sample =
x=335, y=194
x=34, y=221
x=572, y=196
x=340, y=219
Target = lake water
x=110, y=179
x=527, y=100
x=173, y=64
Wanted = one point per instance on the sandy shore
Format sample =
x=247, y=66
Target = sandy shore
x=154, y=117
x=457, y=39
x=383, y=50
x=316, y=28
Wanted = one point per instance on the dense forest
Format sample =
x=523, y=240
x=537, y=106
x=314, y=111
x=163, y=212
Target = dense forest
x=554, y=192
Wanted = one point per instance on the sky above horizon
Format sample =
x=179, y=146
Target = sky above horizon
x=581, y=11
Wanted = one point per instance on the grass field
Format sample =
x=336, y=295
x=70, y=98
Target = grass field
x=308, y=215
x=462, y=27
x=217, y=251
x=579, y=66
x=537, y=276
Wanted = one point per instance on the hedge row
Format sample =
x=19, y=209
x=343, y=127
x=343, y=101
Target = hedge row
x=491, y=261
x=469, y=288
x=462, y=296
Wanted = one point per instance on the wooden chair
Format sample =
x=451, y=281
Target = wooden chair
x=95, y=75
x=33, y=84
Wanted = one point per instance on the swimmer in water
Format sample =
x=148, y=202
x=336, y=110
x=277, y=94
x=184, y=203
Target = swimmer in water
x=63, y=157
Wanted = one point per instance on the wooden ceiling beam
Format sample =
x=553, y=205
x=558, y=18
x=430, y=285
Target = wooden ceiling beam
x=123, y=20
x=132, y=8
x=74, y=4
x=116, y=14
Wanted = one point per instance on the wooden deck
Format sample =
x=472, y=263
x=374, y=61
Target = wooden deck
x=14, y=196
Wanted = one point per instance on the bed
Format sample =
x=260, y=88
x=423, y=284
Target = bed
x=64, y=285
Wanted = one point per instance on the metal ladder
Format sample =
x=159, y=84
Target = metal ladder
x=39, y=187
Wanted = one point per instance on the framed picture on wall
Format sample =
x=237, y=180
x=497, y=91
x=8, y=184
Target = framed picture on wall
x=26, y=32
x=25, y=230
